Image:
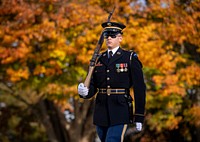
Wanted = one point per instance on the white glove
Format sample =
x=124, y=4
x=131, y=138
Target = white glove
x=82, y=90
x=138, y=126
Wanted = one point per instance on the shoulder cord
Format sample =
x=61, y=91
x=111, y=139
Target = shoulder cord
x=131, y=71
x=131, y=57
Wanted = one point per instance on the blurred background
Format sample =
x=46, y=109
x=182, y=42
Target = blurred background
x=45, y=48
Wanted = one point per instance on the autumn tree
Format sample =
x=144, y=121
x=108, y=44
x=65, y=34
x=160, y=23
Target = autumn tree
x=45, y=49
x=41, y=65
x=166, y=36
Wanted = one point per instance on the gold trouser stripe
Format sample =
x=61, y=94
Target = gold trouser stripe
x=123, y=132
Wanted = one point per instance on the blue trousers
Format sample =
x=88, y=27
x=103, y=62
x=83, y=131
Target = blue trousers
x=111, y=133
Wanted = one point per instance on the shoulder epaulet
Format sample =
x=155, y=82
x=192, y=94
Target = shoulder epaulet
x=134, y=54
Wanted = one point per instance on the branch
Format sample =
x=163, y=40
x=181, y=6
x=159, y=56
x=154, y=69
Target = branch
x=5, y=88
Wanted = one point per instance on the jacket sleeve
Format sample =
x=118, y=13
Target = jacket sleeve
x=139, y=88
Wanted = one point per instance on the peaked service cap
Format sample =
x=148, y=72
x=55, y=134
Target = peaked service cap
x=113, y=27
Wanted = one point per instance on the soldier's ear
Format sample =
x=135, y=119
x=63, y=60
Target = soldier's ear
x=120, y=38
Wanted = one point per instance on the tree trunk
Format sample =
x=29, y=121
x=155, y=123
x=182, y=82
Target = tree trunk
x=56, y=118
x=81, y=128
x=44, y=117
x=51, y=118
x=198, y=103
x=58, y=129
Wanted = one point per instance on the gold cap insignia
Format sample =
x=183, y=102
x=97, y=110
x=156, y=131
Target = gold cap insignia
x=109, y=24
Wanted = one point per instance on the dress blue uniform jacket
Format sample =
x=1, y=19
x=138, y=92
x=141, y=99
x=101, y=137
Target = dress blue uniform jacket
x=122, y=73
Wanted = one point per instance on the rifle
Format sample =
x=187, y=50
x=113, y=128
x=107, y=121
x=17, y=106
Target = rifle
x=95, y=54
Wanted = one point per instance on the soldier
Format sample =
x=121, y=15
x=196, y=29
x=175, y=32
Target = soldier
x=116, y=71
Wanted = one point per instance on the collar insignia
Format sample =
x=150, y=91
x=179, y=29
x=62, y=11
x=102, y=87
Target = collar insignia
x=118, y=53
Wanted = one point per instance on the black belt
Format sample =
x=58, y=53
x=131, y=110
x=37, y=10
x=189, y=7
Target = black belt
x=111, y=91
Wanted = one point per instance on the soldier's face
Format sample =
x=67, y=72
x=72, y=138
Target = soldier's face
x=113, y=41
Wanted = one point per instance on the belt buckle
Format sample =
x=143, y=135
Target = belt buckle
x=108, y=92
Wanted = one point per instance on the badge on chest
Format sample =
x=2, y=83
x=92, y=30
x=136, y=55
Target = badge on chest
x=99, y=64
x=122, y=67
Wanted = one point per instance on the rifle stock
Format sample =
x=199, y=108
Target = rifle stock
x=93, y=61
x=88, y=78
x=95, y=55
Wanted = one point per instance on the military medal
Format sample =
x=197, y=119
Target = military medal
x=125, y=67
x=118, y=67
x=121, y=66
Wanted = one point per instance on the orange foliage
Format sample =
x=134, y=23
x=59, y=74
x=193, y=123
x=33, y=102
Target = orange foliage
x=57, y=39
x=190, y=75
x=194, y=114
x=173, y=122
x=169, y=85
x=39, y=70
x=16, y=75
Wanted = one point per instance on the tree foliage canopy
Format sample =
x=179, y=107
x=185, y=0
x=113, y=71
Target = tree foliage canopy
x=46, y=46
